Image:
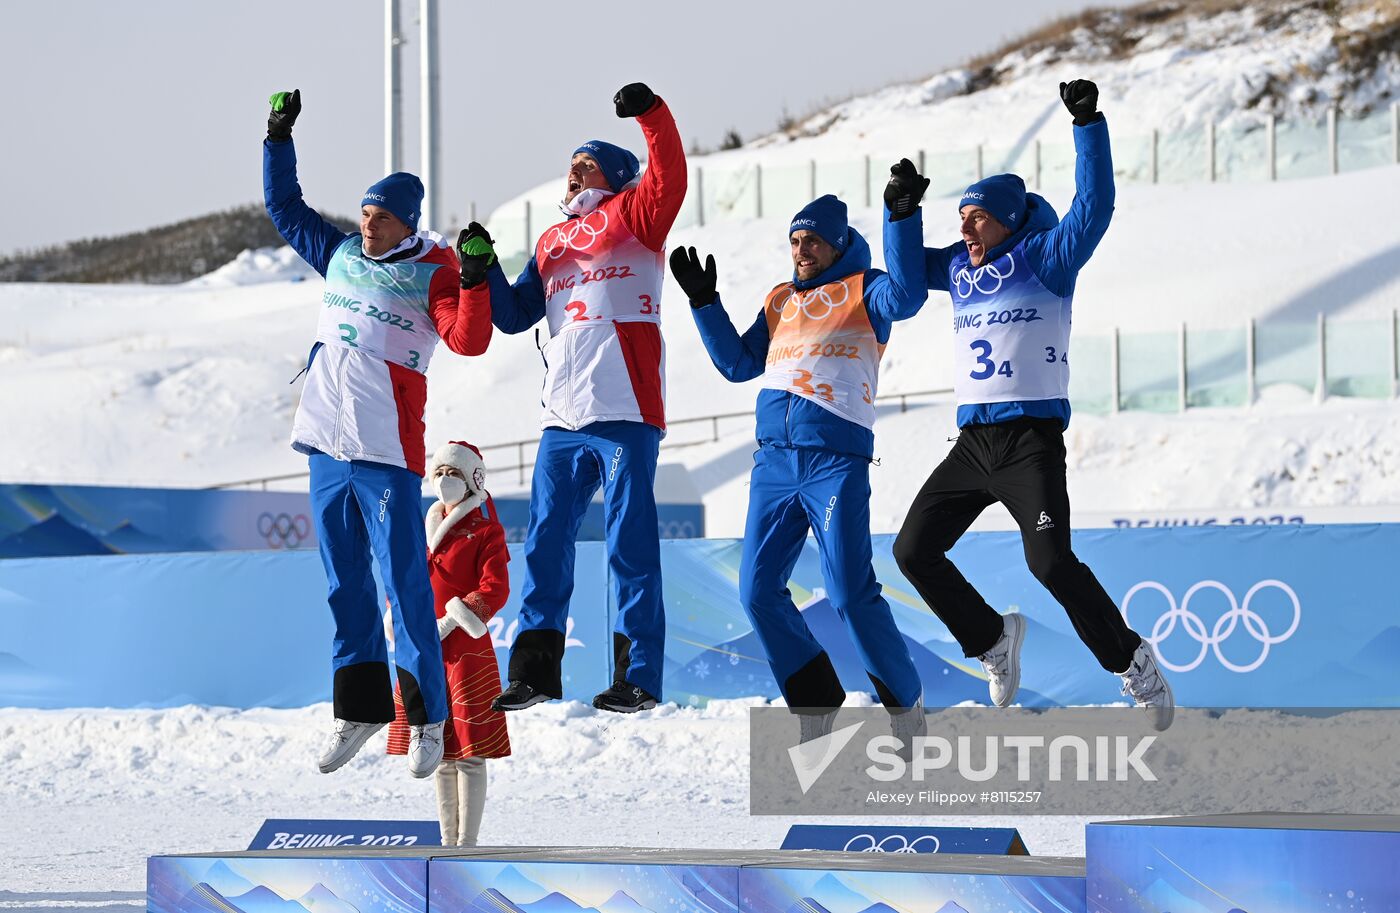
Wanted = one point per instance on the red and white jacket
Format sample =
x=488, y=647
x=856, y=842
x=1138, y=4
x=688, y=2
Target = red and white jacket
x=381, y=320
x=596, y=280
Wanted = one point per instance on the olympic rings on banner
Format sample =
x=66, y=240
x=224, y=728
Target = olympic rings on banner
x=1195, y=627
x=894, y=843
x=284, y=530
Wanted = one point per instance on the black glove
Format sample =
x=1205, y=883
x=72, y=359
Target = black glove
x=633, y=99
x=474, y=246
x=905, y=190
x=1081, y=97
x=285, y=108
x=698, y=283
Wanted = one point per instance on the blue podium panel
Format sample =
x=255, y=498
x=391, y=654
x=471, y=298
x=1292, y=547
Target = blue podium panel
x=327, y=882
x=819, y=882
x=865, y=838
x=587, y=881
x=1249, y=863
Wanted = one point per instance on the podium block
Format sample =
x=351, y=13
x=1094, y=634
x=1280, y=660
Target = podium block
x=1244, y=863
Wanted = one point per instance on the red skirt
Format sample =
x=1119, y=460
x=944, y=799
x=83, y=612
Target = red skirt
x=473, y=729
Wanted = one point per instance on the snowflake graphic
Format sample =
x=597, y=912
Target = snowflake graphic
x=702, y=669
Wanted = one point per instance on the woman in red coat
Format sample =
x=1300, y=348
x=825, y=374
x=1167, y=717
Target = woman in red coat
x=467, y=561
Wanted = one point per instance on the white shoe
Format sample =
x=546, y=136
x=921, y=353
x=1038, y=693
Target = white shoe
x=424, y=749
x=346, y=740
x=1144, y=683
x=907, y=725
x=1003, y=660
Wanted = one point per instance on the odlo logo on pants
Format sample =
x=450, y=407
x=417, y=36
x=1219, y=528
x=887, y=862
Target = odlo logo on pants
x=383, y=505
x=616, y=461
x=830, y=506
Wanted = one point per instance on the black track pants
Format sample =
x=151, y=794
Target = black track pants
x=1020, y=463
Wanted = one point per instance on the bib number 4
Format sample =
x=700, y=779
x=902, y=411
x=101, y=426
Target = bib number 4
x=986, y=365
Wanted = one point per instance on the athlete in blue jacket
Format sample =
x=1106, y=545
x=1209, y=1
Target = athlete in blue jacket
x=816, y=344
x=1012, y=281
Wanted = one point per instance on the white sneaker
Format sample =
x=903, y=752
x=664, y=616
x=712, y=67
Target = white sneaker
x=424, y=749
x=1003, y=660
x=346, y=740
x=907, y=725
x=1148, y=689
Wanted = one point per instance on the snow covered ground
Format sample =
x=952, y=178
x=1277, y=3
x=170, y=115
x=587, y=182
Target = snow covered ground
x=88, y=795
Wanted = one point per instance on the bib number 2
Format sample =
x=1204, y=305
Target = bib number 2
x=986, y=366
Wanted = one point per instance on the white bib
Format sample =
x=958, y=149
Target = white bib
x=594, y=270
x=1010, y=333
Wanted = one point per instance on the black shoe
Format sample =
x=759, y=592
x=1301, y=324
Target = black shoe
x=622, y=697
x=518, y=696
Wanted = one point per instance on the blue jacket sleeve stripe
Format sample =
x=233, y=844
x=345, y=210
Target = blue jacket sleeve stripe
x=738, y=358
x=312, y=237
x=1062, y=251
x=516, y=307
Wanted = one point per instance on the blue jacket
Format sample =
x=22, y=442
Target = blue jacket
x=1055, y=250
x=785, y=419
x=312, y=237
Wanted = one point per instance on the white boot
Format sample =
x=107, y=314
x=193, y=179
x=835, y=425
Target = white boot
x=445, y=783
x=908, y=724
x=424, y=749
x=1003, y=660
x=471, y=788
x=346, y=739
x=1144, y=683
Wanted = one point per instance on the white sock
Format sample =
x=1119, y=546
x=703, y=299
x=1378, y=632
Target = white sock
x=445, y=781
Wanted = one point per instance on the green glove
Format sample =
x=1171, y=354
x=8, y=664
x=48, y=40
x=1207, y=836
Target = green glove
x=474, y=246
x=285, y=108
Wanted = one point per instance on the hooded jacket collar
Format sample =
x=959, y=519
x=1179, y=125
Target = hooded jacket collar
x=1040, y=216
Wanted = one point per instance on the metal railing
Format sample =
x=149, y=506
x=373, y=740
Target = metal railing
x=670, y=442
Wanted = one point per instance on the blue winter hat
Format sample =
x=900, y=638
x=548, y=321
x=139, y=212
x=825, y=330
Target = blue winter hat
x=826, y=215
x=1003, y=195
x=401, y=193
x=619, y=166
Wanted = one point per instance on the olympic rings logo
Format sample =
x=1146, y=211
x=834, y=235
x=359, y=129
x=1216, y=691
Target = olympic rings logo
x=676, y=529
x=575, y=234
x=964, y=282
x=384, y=275
x=1195, y=627
x=816, y=303
x=866, y=843
x=284, y=530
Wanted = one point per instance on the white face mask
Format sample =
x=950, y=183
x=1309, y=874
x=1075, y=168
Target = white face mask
x=450, y=489
x=584, y=202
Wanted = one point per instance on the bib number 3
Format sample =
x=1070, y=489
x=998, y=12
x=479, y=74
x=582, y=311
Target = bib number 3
x=986, y=365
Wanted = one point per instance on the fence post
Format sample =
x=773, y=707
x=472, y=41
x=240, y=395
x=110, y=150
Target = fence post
x=714, y=424
x=812, y=178
x=471, y=211
x=1271, y=132
x=980, y=172
x=1210, y=149
x=529, y=238
x=1394, y=354
x=1332, y=139
x=1249, y=389
x=1037, y=165
x=1154, y=154
x=1181, y=381
x=923, y=165
x=1115, y=381
x=520, y=460
x=1395, y=131
x=700, y=197
x=758, y=190
x=868, y=194
x=1321, y=357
